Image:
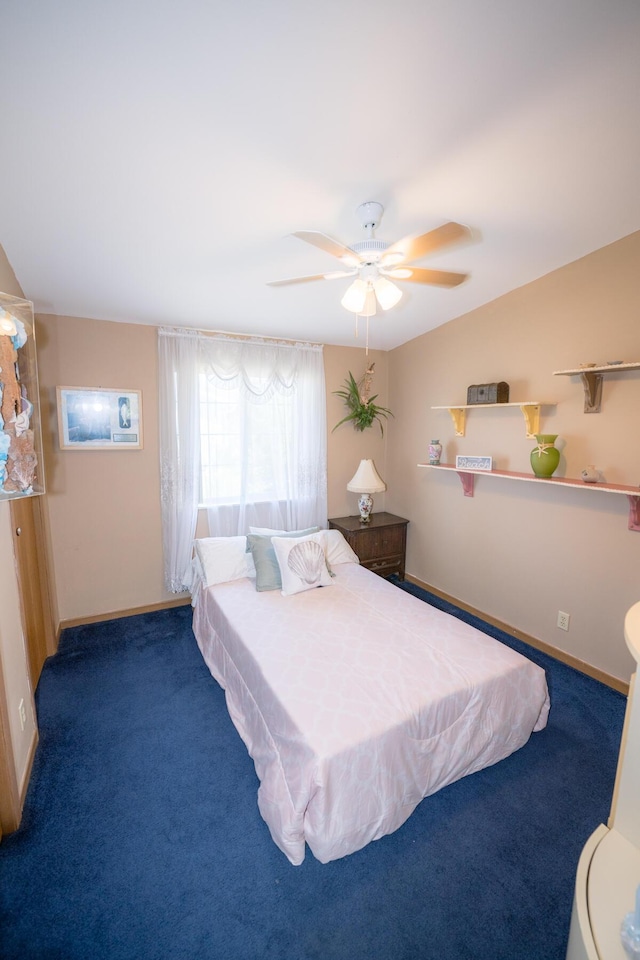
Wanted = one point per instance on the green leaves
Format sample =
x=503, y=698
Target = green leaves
x=361, y=415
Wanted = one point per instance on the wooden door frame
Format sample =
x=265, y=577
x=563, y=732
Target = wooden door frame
x=10, y=799
x=49, y=640
x=11, y=794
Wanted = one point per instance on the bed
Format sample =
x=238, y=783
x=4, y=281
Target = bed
x=356, y=700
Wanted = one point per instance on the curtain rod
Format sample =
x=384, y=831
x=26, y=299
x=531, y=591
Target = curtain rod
x=224, y=335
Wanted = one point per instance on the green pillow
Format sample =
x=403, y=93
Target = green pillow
x=264, y=557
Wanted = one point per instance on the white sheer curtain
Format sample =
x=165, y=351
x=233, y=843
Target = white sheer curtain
x=179, y=416
x=255, y=410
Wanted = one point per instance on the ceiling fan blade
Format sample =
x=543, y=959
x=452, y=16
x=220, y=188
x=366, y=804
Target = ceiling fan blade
x=329, y=245
x=282, y=283
x=438, y=278
x=412, y=248
x=334, y=275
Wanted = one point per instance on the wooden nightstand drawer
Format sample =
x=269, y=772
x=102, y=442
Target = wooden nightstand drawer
x=386, y=567
x=379, y=544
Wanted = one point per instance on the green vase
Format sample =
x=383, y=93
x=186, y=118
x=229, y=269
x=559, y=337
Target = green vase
x=545, y=457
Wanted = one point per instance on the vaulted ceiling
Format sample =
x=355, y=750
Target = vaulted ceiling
x=157, y=157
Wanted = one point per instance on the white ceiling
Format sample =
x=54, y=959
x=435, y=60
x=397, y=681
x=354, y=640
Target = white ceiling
x=157, y=155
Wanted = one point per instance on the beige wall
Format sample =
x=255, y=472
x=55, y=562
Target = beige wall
x=104, y=506
x=347, y=446
x=517, y=551
x=14, y=666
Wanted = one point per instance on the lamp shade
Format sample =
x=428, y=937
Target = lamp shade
x=355, y=296
x=362, y=295
x=369, y=309
x=366, y=479
x=386, y=292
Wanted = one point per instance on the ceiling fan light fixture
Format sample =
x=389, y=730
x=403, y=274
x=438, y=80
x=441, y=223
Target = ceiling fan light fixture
x=386, y=292
x=370, y=307
x=355, y=297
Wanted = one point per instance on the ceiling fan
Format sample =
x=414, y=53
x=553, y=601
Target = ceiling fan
x=375, y=263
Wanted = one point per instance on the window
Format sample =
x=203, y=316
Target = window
x=240, y=444
x=243, y=432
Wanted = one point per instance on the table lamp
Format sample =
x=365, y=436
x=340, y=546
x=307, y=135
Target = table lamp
x=366, y=481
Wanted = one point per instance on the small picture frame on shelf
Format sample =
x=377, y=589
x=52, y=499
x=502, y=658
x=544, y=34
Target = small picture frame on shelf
x=474, y=463
x=94, y=418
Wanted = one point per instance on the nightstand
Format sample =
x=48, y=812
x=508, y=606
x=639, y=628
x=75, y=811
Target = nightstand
x=380, y=544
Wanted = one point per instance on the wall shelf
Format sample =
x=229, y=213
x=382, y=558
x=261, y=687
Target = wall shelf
x=467, y=478
x=592, y=381
x=530, y=411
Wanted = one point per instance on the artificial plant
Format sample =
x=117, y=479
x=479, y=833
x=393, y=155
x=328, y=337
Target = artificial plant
x=362, y=409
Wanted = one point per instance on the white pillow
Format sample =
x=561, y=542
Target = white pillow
x=266, y=532
x=337, y=549
x=302, y=563
x=224, y=558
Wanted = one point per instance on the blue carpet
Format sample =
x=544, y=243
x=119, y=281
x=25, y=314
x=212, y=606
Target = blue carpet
x=141, y=837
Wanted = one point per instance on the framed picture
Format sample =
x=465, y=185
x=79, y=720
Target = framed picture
x=474, y=463
x=92, y=418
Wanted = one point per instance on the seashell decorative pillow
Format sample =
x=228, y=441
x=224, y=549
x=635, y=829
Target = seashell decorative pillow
x=264, y=557
x=302, y=563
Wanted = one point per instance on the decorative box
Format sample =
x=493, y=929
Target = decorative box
x=488, y=393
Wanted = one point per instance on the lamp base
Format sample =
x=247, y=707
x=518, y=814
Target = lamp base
x=365, y=506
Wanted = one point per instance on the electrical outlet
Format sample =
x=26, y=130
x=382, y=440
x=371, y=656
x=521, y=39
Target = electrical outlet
x=23, y=715
x=563, y=620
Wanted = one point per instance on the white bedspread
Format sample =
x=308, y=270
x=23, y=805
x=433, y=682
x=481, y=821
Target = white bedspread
x=357, y=700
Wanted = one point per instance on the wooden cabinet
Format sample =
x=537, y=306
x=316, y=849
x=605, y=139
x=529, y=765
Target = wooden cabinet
x=380, y=544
